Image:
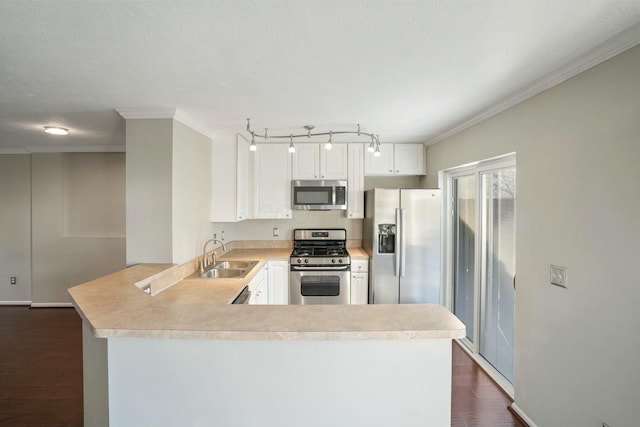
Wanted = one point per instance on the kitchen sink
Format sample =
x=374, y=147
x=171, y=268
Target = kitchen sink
x=229, y=270
x=236, y=264
x=222, y=273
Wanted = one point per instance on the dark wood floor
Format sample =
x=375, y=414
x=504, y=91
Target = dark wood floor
x=40, y=367
x=476, y=401
x=41, y=375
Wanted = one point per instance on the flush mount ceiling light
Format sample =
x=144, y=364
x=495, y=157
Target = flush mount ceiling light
x=374, y=146
x=55, y=130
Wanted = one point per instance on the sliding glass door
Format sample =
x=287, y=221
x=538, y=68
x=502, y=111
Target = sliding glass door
x=464, y=250
x=482, y=258
x=498, y=268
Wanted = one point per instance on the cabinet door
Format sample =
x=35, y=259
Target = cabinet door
x=306, y=162
x=272, y=181
x=243, y=179
x=409, y=159
x=381, y=165
x=334, y=162
x=258, y=288
x=223, y=177
x=359, y=288
x=355, y=181
x=278, y=282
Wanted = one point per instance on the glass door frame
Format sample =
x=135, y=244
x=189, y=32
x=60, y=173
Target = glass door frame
x=446, y=178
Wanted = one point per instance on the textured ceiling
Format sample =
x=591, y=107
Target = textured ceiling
x=411, y=71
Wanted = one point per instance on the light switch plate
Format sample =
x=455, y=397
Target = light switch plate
x=559, y=275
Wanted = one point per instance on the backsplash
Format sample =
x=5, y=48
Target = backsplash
x=261, y=229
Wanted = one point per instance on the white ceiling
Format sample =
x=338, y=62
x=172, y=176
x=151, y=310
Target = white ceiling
x=410, y=71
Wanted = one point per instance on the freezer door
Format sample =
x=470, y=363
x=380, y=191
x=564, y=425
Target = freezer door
x=420, y=246
x=384, y=286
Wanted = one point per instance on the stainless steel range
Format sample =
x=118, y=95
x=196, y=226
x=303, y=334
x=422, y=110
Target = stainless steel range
x=320, y=267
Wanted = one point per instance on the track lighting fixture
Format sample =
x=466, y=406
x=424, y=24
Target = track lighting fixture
x=374, y=146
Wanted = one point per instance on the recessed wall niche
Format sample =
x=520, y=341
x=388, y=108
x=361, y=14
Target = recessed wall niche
x=92, y=195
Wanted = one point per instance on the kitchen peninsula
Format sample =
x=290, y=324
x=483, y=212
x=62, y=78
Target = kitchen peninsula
x=185, y=356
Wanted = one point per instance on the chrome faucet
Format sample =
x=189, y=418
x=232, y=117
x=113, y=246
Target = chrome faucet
x=204, y=263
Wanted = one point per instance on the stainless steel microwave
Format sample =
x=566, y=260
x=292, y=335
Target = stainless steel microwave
x=320, y=195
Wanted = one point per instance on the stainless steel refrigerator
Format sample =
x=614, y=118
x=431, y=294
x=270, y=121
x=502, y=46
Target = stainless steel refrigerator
x=403, y=239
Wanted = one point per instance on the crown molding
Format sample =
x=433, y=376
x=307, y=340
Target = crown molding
x=607, y=50
x=13, y=151
x=78, y=149
x=189, y=121
x=146, y=113
x=164, y=113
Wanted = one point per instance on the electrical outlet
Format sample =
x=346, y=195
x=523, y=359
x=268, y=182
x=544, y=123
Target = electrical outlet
x=605, y=425
x=14, y=280
x=276, y=231
x=559, y=276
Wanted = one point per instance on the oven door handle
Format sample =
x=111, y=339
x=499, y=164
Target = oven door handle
x=327, y=269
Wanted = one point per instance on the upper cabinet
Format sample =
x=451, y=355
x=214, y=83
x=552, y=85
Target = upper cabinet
x=409, y=159
x=355, y=181
x=231, y=179
x=272, y=181
x=396, y=159
x=313, y=161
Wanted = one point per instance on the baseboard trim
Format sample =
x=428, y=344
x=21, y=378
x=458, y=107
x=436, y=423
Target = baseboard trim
x=50, y=304
x=515, y=409
x=15, y=302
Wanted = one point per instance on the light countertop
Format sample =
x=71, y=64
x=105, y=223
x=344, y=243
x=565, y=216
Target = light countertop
x=115, y=306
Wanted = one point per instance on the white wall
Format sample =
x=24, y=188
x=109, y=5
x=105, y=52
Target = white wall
x=191, y=201
x=168, y=191
x=15, y=227
x=77, y=221
x=578, y=151
x=149, y=190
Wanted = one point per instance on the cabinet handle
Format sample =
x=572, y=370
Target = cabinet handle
x=390, y=170
x=397, y=171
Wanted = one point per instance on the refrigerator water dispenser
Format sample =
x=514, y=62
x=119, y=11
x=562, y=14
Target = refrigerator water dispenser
x=386, y=238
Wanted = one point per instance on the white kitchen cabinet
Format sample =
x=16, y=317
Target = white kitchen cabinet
x=306, y=162
x=396, y=159
x=272, y=182
x=313, y=161
x=359, y=281
x=278, y=281
x=408, y=159
x=231, y=179
x=381, y=165
x=355, y=181
x=258, y=288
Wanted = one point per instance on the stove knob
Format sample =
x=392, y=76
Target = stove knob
x=340, y=261
x=306, y=261
x=333, y=261
x=299, y=261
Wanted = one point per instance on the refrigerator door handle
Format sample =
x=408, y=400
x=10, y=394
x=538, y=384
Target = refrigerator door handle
x=397, y=243
x=401, y=244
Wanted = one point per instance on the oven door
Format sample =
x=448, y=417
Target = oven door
x=319, y=285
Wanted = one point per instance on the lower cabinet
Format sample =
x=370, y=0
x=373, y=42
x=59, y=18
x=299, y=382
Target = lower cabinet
x=258, y=288
x=278, y=281
x=271, y=284
x=359, y=281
